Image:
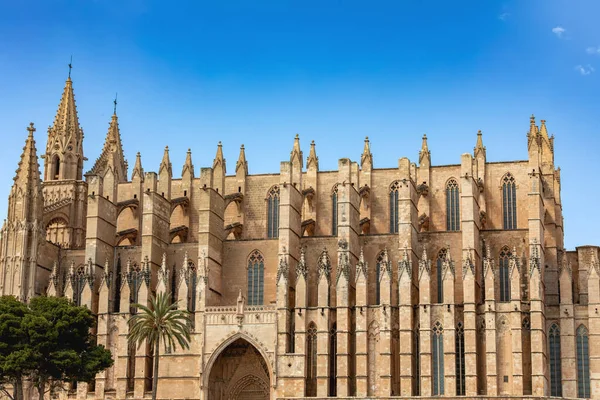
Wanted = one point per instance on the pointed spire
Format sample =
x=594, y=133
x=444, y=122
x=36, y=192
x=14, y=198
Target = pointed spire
x=533, y=130
x=488, y=262
x=312, y=161
x=219, y=159
x=241, y=162
x=404, y=266
x=479, y=147
x=112, y=153
x=424, y=154
x=296, y=154
x=66, y=119
x=138, y=171
x=188, y=166
x=424, y=264
x=361, y=267
x=301, y=267
x=366, y=156
x=28, y=172
x=166, y=163
x=543, y=130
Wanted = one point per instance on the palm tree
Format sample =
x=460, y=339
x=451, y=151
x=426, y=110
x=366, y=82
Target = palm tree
x=160, y=322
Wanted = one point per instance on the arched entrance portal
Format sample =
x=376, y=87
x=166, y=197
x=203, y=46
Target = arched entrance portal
x=239, y=373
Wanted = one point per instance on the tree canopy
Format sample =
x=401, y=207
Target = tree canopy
x=49, y=340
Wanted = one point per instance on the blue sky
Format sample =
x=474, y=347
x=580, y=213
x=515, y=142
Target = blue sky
x=189, y=74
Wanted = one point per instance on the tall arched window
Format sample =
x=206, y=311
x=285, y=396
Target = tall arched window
x=333, y=361
x=135, y=281
x=509, y=201
x=118, y=280
x=78, y=284
x=192, y=285
x=311, y=360
x=394, y=206
x=56, y=166
x=334, y=211
x=273, y=212
x=583, y=363
x=452, y=206
x=417, y=354
x=377, y=277
x=256, y=271
x=555, y=369
x=438, y=359
x=503, y=274
x=460, y=359
x=438, y=274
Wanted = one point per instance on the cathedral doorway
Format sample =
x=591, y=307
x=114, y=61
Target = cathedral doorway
x=239, y=373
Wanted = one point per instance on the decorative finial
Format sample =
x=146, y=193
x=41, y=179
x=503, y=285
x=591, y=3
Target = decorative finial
x=31, y=129
x=115, y=105
x=70, y=66
x=297, y=136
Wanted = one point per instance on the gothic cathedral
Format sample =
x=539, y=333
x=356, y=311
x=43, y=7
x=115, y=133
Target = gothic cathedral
x=421, y=280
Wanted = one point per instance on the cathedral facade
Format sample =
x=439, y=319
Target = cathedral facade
x=416, y=281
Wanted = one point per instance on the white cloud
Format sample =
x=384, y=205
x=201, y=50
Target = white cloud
x=503, y=16
x=593, y=50
x=559, y=31
x=584, y=69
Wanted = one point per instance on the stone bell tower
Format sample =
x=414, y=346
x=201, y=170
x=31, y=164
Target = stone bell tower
x=64, y=190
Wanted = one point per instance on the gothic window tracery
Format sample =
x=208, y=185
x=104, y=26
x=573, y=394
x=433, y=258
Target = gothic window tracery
x=79, y=281
x=442, y=255
x=438, y=358
x=452, y=206
x=394, y=187
x=311, y=362
x=256, y=268
x=273, y=212
x=555, y=360
x=509, y=201
x=377, y=278
x=334, y=211
x=333, y=361
x=583, y=363
x=192, y=285
x=503, y=272
x=460, y=359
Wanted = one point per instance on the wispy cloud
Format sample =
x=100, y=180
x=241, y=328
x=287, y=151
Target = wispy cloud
x=584, y=69
x=593, y=50
x=559, y=31
x=504, y=16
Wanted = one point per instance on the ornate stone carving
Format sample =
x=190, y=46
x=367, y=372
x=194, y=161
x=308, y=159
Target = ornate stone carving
x=385, y=266
x=424, y=264
x=468, y=265
x=423, y=189
x=301, y=267
x=282, y=269
x=324, y=266
x=362, y=266
x=404, y=265
x=448, y=266
x=534, y=259
x=343, y=267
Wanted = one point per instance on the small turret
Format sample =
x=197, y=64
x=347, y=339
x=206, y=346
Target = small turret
x=366, y=159
x=165, y=174
x=241, y=167
x=138, y=171
x=219, y=170
x=424, y=154
x=312, y=161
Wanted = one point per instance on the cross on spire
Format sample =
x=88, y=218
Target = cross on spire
x=31, y=128
x=70, y=66
x=115, y=104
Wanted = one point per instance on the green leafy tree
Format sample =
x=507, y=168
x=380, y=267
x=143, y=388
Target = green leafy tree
x=63, y=346
x=49, y=342
x=160, y=322
x=15, y=354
